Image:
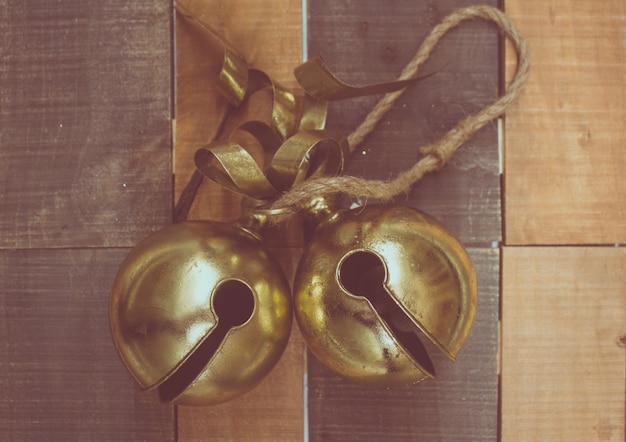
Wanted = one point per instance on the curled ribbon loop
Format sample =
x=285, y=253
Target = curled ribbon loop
x=239, y=173
x=308, y=153
x=283, y=117
x=233, y=76
x=233, y=167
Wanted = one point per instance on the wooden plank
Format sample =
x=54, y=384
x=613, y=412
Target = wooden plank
x=372, y=42
x=272, y=411
x=565, y=138
x=375, y=42
x=252, y=28
x=268, y=34
x=84, y=122
x=563, y=365
x=61, y=377
x=460, y=404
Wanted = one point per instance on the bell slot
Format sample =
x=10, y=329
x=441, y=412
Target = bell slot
x=363, y=274
x=233, y=303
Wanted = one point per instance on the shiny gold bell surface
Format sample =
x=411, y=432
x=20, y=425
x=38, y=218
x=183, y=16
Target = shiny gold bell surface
x=375, y=280
x=201, y=311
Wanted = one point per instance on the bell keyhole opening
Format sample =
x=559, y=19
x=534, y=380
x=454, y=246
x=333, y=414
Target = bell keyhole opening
x=363, y=273
x=233, y=303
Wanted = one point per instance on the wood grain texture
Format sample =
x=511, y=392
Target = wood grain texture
x=61, y=378
x=273, y=411
x=461, y=404
x=565, y=139
x=84, y=122
x=370, y=41
x=269, y=35
x=563, y=365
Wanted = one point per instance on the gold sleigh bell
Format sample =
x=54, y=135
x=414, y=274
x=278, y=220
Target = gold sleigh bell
x=201, y=311
x=371, y=282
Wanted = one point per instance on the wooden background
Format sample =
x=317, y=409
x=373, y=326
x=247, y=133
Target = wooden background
x=89, y=164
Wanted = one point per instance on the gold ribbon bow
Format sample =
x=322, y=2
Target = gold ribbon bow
x=296, y=145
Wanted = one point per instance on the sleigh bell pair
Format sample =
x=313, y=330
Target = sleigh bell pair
x=201, y=311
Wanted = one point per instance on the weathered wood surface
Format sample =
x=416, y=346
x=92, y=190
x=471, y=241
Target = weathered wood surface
x=563, y=325
x=369, y=42
x=85, y=164
x=269, y=36
x=60, y=376
x=565, y=139
x=563, y=367
x=84, y=122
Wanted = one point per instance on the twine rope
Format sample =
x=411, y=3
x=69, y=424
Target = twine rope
x=435, y=155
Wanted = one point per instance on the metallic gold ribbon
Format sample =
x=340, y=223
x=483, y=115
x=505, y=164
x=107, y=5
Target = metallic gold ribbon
x=296, y=147
x=307, y=153
x=318, y=81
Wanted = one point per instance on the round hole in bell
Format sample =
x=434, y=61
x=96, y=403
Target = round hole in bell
x=233, y=302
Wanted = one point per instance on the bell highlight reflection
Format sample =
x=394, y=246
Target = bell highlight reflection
x=200, y=311
x=373, y=282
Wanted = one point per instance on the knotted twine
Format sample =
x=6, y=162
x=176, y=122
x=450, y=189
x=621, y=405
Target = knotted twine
x=435, y=155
